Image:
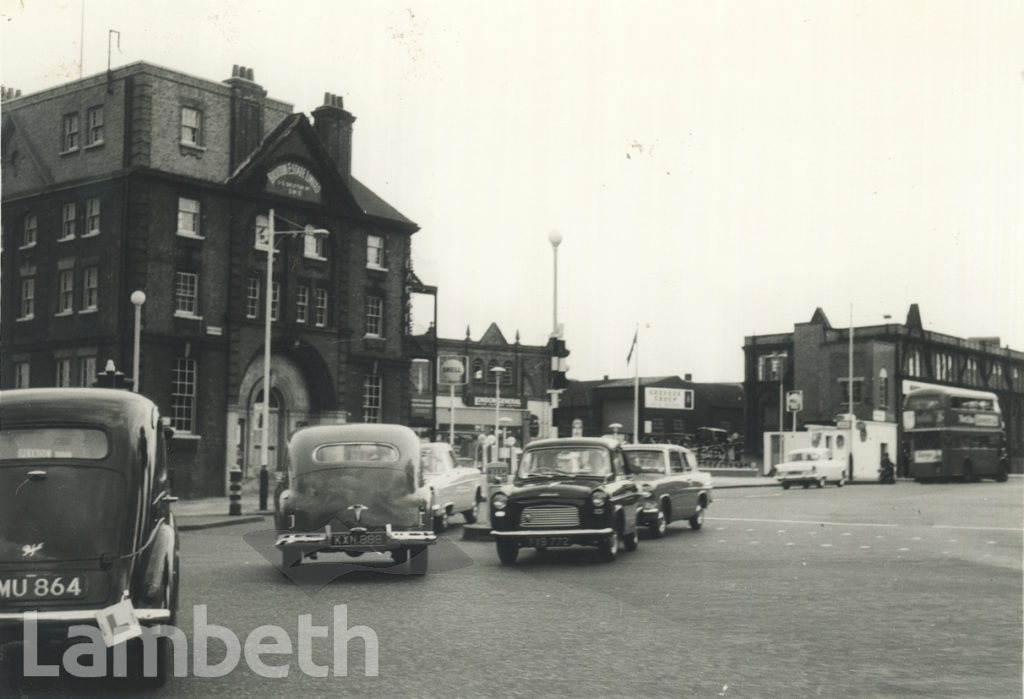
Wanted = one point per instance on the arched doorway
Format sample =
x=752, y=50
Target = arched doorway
x=289, y=409
x=274, y=414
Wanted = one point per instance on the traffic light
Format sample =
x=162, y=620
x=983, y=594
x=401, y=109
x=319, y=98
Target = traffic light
x=558, y=364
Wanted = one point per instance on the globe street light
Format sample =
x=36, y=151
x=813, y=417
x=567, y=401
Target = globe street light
x=555, y=238
x=138, y=298
x=270, y=232
x=498, y=372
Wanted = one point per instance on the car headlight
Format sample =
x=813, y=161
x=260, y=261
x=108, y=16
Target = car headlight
x=499, y=501
x=598, y=498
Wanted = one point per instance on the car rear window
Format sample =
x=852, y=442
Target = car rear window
x=41, y=443
x=362, y=452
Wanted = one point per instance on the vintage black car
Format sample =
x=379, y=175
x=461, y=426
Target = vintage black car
x=567, y=492
x=355, y=489
x=87, y=536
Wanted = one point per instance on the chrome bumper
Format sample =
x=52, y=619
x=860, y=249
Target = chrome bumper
x=80, y=615
x=393, y=539
x=572, y=533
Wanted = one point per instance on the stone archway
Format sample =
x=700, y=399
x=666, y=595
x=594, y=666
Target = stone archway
x=289, y=410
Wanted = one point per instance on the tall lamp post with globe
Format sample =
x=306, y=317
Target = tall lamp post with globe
x=137, y=298
x=555, y=238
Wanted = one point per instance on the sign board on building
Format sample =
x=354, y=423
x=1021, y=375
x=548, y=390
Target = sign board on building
x=293, y=180
x=489, y=401
x=452, y=370
x=668, y=398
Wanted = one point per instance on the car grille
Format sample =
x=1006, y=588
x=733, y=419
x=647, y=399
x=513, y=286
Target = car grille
x=550, y=516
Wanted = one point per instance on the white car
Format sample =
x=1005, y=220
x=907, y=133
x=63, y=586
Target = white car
x=457, y=488
x=811, y=466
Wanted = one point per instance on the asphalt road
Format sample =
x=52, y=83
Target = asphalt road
x=905, y=590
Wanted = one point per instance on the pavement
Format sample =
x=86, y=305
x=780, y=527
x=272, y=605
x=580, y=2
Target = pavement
x=207, y=513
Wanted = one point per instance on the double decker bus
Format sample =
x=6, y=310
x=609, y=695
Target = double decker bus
x=954, y=433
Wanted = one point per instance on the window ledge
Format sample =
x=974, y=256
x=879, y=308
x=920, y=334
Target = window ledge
x=26, y=247
x=94, y=144
x=90, y=234
x=318, y=258
x=22, y=319
x=59, y=314
x=376, y=268
x=370, y=336
x=86, y=311
x=69, y=151
x=187, y=435
x=187, y=315
x=190, y=234
x=65, y=239
x=191, y=148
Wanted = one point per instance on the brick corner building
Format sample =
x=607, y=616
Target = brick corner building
x=143, y=178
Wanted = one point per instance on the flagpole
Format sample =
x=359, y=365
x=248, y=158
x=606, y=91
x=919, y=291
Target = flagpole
x=636, y=388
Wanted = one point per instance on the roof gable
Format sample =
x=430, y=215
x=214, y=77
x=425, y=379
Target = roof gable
x=493, y=336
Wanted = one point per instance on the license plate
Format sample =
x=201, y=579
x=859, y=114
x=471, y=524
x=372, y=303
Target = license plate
x=548, y=541
x=364, y=539
x=42, y=587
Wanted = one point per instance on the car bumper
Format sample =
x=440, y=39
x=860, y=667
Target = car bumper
x=797, y=477
x=529, y=537
x=322, y=541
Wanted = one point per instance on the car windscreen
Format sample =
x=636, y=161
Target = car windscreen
x=47, y=443
x=646, y=461
x=436, y=461
x=565, y=461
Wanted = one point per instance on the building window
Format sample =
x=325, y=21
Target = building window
x=375, y=252
x=883, y=389
x=21, y=375
x=191, y=126
x=971, y=374
x=321, y=308
x=90, y=288
x=506, y=377
x=275, y=301
x=478, y=370
x=186, y=293
x=65, y=291
x=374, y=315
x=86, y=371
x=30, y=231
x=183, y=396
x=28, y=299
x=943, y=366
x=313, y=244
x=261, y=234
x=63, y=372
x=996, y=379
x=188, y=217
x=844, y=384
x=301, y=304
x=94, y=126
x=771, y=367
x=914, y=362
x=70, y=141
x=371, y=398
x=678, y=426
x=252, y=298
x=67, y=229
x=92, y=216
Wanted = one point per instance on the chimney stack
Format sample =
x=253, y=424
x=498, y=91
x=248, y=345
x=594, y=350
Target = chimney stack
x=334, y=127
x=246, y=113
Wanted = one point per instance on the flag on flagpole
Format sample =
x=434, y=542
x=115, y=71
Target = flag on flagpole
x=632, y=347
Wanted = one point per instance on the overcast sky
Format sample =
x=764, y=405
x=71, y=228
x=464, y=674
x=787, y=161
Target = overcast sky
x=716, y=169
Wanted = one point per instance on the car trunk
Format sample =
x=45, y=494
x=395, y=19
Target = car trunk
x=356, y=495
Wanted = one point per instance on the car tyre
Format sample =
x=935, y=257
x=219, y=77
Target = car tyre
x=419, y=557
x=631, y=542
x=841, y=482
x=697, y=521
x=400, y=556
x=470, y=515
x=821, y=483
x=807, y=485
x=660, y=526
x=609, y=548
x=290, y=557
x=785, y=486
x=508, y=551
x=1001, y=475
x=441, y=522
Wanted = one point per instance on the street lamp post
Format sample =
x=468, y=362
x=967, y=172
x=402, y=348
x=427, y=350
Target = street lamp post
x=138, y=298
x=555, y=238
x=268, y=307
x=498, y=371
x=505, y=422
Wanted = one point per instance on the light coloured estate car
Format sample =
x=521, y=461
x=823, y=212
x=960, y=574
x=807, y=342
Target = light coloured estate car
x=674, y=486
x=811, y=466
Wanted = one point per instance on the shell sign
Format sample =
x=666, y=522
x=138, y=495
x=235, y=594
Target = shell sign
x=451, y=370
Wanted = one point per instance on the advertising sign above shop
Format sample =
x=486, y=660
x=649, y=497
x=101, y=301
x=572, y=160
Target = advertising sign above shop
x=668, y=398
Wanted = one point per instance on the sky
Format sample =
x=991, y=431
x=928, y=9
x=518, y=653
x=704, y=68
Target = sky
x=715, y=169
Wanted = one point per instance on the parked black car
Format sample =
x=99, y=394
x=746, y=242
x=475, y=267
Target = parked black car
x=567, y=492
x=86, y=531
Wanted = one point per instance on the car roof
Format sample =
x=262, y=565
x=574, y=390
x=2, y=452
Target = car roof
x=573, y=442
x=648, y=447
x=109, y=407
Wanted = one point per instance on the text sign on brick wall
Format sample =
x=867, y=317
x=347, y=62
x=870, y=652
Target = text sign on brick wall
x=293, y=180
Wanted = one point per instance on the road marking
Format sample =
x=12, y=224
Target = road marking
x=980, y=529
x=805, y=521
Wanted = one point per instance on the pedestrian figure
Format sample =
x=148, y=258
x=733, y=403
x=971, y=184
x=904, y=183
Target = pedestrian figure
x=886, y=470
